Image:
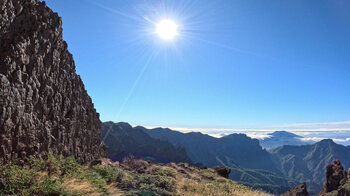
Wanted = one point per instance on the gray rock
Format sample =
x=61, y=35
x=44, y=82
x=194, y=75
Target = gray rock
x=44, y=106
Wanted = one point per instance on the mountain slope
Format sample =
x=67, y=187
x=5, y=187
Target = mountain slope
x=307, y=163
x=123, y=140
x=249, y=163
x=205, y=149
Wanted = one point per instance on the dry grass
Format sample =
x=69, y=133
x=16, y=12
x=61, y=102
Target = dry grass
x=132, y=177
x=217, y=187
x=193, y=188
x=80, y=187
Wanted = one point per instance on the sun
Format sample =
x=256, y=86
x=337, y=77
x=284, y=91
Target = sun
x=167, y=29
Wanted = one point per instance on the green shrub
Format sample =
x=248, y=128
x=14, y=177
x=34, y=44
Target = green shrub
x=128, y=182
x=70, y=166
x=155, y=183
x=15, y=180
x=162, y=171
x=48, y=186
x=95, y=179
x=135, y=164
x=37, y=164
x=108, y=173
x=53, y=164
x=207, y=174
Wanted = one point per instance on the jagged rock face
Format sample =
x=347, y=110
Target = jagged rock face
x=335, y=176
x=299, y=190
x=43, y=102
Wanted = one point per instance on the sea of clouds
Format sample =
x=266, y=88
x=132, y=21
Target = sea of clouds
x=340, y=137
x=339, y=132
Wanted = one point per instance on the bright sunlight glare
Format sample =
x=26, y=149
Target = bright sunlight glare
x=166, y=29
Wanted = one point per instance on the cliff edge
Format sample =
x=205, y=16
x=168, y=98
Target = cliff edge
x=44, y=106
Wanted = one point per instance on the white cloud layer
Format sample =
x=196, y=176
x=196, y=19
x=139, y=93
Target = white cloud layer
x=305, y=128
x=339, y=132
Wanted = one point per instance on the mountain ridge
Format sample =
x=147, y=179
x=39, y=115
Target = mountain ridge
x=233, y=151
x=124, y=140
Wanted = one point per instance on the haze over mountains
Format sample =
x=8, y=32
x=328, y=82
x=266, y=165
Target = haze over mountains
x=280, y=138
x=48, y=122
x=274, y=170
x=271, y=139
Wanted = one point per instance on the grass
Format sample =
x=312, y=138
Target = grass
x=64, y=176
x=219, y=187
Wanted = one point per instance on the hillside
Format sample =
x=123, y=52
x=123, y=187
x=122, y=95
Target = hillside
x=307, y=163
x=123, y=140
x=58, y=176
x=206, y=149
x=249, y=163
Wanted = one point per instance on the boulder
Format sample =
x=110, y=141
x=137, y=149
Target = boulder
x=299, y=190
x=223, y=171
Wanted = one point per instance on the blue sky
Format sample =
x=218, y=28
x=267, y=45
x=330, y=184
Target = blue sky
x=235, y=63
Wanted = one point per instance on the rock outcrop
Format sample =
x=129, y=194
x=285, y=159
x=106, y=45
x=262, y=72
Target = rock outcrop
x=335, y=174
x=336, y=183
x=223, y=171
x=43, y=102
x=299, y=190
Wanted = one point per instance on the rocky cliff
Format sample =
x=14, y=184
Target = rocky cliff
x=337, y=181
x=43, y=102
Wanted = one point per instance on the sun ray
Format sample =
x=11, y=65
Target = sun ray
x=144, y=68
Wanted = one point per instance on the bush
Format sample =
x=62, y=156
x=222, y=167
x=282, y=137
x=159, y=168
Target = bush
x=207, y=174
x=37, y=164
x=128, y=182
x=70, y=166
x=162, y=171
x=15, y=180
x=49, y=186
x=95, y=179
x=53, y=164
x=155, y=183
x=137, y=165
x=108, y=173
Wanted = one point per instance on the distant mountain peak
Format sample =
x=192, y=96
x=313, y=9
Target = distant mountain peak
x=327, y=141
x=124, y=125
x=237, y=135
x=284, y=134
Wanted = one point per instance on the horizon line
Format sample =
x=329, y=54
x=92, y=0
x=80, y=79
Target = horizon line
x=293, y=127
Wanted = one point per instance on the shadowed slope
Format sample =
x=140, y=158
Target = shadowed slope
x=124, y=140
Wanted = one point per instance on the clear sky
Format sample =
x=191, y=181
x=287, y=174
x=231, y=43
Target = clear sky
x=234, y=63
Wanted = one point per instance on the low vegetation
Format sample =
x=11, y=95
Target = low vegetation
x=58, y=176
